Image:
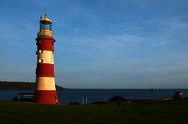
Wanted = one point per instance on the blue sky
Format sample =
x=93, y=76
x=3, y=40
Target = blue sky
x=100, y=43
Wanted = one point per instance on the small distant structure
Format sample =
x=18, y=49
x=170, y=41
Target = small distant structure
x=178, y=95
x=24, y=97
x=84, y=100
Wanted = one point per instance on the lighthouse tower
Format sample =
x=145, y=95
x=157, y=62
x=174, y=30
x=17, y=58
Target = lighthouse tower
x=45, y=90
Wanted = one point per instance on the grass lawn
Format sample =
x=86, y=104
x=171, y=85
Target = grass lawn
x=169, y=112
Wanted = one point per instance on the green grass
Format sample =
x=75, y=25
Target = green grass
x=169, y=112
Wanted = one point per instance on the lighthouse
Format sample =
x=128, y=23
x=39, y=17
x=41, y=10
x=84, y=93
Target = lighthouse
x=45, y=90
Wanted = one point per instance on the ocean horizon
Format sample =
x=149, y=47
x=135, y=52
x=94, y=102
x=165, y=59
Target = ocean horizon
x=103, y=95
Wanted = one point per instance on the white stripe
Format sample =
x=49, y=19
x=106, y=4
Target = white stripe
x=45, y=57
x=45, y=83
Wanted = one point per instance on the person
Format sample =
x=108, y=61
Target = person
x=56, y=100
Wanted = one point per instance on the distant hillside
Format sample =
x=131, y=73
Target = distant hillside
x=6, y=85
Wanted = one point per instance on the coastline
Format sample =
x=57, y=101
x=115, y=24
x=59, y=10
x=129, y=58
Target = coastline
x=13, y=85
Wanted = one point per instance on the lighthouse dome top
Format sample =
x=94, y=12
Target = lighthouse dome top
x=45, y=28
x=45, y=19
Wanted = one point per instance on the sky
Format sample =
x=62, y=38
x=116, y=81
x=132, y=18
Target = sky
x=99, y=43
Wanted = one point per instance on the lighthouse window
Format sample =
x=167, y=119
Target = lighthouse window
x=40, y=60
x=46, y=27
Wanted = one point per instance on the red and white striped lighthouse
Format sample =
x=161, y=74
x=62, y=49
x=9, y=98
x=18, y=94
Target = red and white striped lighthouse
x=45, y=90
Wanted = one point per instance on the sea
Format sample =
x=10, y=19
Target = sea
x=102, y=95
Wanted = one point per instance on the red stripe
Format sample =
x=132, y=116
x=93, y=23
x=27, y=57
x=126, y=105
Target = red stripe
x=46, y=97
x=45, y=70
x=45, y=44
